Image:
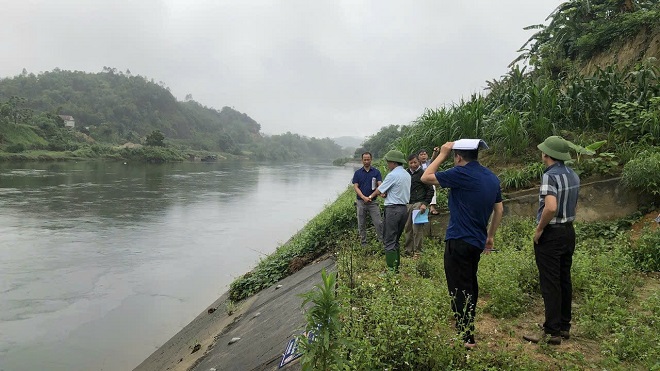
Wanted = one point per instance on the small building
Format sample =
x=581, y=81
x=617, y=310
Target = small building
x=69, y=122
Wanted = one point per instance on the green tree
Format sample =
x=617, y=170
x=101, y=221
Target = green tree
x=383, y=141
x=156, y=139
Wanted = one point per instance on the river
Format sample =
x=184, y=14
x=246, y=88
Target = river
x=102, y=262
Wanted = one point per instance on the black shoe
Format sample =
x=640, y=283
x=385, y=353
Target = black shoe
x=543, y=338
x=565, y=334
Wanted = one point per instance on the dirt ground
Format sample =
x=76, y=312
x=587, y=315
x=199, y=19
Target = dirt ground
x=494, y=333
x=647, y=221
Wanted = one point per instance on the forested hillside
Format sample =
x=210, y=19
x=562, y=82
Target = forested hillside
x=592, y=74
x=113, y=107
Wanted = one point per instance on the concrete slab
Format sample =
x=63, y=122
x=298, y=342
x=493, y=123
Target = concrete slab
x=264, y=323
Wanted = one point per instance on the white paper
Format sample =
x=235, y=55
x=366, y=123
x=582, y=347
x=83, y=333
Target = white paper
x=470, y=144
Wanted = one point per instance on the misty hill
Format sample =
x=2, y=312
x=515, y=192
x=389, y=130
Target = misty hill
x=114, y=107
x=117, y=106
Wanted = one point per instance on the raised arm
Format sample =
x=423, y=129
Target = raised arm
x=429, y=174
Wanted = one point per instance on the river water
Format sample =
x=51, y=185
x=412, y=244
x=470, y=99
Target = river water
x=102, y=262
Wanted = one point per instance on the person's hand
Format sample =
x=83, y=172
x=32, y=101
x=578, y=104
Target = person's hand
x=383, y=195
x=422, y=209
x=446, y=148
x=490, y=242
x=537, y=236
x=436, y=149
x=366, y=199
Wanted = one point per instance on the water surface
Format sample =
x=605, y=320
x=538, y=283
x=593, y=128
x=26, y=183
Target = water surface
x=101, y=262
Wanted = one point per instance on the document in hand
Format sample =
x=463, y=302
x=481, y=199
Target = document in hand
x=470, y=144
x=419, y=218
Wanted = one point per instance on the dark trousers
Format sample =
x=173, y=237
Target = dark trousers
x=394, y=222
x=461, y=264
x=554, y=257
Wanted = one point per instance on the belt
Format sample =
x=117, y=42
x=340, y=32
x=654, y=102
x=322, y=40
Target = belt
x=559, y=225
x=395, y=205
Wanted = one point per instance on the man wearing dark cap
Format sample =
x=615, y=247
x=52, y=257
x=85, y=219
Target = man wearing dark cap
x=396, y=190
x=474, y=194
x=554, y=240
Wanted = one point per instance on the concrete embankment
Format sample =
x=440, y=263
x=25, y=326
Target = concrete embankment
x=264, y=323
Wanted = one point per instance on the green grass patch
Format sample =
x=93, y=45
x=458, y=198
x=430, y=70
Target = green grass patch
x=21, y=135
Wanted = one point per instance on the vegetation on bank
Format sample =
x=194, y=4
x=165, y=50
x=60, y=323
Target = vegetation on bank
x=404, y=321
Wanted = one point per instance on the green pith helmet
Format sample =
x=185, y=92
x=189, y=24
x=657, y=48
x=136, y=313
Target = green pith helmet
x=555, y=147
x=395, y=156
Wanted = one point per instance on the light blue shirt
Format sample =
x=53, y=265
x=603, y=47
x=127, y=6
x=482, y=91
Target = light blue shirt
x=397, y=187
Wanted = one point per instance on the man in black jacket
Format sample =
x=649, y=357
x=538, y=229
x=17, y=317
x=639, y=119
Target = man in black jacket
x=420, y=197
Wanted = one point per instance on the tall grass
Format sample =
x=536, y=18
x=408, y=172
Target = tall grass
x=523, y=108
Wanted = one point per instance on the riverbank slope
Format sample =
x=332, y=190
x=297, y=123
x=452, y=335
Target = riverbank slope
x=263, y=323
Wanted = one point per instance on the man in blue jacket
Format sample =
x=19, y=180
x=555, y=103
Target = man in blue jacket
x=474, y=194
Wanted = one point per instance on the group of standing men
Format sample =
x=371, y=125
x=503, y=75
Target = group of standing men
x=475, y=199
x=406, y=193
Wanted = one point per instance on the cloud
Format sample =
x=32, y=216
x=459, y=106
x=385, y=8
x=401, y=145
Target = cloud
x=318, y=68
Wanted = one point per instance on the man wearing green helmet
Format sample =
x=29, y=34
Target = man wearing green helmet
x=554, y=239
x=396, y=190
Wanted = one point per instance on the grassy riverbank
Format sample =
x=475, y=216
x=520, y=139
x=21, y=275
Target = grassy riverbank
x=404, y=321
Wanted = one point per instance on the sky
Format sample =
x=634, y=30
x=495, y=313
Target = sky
x=314, y=67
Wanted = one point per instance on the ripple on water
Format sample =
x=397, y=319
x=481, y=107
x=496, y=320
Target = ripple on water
x=10, y=191
x=28, y=172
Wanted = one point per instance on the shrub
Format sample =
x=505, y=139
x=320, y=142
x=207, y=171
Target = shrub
x=643, y=173
x=512, y=179
x=16, y=148
x=152, y=154
x=646, y=251
x=322, y=317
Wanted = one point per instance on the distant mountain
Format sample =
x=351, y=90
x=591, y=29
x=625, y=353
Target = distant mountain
x=349, y=142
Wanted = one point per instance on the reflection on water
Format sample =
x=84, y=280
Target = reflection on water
x=100, y=263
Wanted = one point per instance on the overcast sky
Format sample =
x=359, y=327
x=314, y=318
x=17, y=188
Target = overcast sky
x=314, y=67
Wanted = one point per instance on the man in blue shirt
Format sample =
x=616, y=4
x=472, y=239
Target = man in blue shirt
x=365, y=180
x=474, y=195
x=554, y=239
x=396, y=190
